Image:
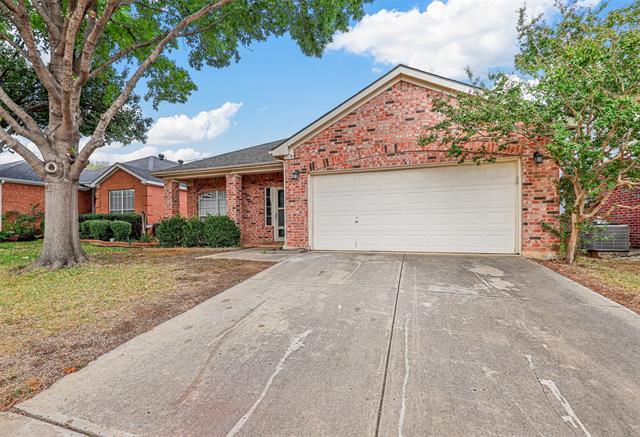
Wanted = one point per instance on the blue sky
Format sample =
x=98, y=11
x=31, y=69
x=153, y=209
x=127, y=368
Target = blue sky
x=274, y=90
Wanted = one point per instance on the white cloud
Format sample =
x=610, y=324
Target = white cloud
x=118, y=153
x=445, y=38
x=182, y=129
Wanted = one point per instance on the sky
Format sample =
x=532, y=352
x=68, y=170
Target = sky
x=275, y=90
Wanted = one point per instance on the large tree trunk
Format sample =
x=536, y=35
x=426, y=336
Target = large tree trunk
x=61, y=247
x=574, y=239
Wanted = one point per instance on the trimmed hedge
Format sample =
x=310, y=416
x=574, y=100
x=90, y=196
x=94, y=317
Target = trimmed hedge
x=220, y=231
x=99, y=229
x=170, y=230
x=192, y=233
x=120, y=230
x=135, y=220
x=214, y=231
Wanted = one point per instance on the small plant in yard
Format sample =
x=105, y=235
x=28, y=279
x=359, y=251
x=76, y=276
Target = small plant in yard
x=170, y=230
x=132, y=218
x=220, y=231
x=24, y=226
x=146, y=238
x=120, y=230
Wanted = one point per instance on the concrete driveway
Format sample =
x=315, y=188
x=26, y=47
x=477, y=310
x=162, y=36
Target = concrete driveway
x=371, y=344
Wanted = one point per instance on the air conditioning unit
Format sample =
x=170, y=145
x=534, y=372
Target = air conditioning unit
x=606, y=237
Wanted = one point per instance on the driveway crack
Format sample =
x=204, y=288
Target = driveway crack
x=386, y=365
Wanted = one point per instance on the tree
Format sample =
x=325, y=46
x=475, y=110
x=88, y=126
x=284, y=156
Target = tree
x=21, y=83
x=84, y=39
x=575, y=92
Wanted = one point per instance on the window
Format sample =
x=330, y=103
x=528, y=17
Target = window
x=267, y=207
x=212, y=203
x=121, y=201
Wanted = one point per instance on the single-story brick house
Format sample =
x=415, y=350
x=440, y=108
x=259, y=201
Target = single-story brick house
x=120, y=188
x=357, y=179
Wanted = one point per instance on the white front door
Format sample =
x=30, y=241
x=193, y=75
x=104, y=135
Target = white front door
x=458, y=208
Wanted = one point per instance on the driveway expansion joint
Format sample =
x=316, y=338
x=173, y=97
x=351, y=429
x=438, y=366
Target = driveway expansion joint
x=386, y=365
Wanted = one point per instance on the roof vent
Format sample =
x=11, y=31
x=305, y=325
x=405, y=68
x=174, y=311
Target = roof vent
x=180, y=162
x=161, y=156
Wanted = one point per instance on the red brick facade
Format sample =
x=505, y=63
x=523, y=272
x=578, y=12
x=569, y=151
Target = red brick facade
x=384, y=132
x=148, y=199
x=23, y=197
x=626, y=216
x=245, y=201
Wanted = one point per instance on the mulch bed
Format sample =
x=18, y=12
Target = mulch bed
x=613, y=292
x=49, y=359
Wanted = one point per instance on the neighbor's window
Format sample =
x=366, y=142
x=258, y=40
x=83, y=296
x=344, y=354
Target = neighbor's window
x=212, y=203
x=267, y=207
x=121, y=201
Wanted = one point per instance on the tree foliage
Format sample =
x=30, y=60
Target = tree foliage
x=575, y=92
x=106, y=47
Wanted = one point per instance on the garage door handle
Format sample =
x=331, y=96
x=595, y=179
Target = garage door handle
x=356, y=220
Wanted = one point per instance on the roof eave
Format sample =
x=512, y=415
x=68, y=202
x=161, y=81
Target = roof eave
x=220, y=171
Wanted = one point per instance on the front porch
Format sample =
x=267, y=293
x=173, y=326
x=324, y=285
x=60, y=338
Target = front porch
x=254, y=200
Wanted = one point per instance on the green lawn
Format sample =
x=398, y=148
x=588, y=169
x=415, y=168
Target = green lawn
x=22, y=253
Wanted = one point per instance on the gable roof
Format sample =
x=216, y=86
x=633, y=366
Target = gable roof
x=397, y=74
x=152, y=163
x=251, y=156
x=139, y=168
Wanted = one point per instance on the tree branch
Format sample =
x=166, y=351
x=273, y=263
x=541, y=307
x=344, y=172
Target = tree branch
x=22, y=150
x=97, y=139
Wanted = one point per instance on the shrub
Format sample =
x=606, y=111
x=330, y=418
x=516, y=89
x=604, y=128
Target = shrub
x=99, y=229
x=146, y=238
x=192, y=233
x=84, y=230
x=134, y=219
x=220, y=231
x=4, y=236
x=25, y=226
x=120, y=230
x=169, y=231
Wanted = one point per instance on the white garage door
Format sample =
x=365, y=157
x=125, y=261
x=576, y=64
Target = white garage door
x=461, y=208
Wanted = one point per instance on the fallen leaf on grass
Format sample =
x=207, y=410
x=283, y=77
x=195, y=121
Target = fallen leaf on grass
x=68, y=370
x=34, y=384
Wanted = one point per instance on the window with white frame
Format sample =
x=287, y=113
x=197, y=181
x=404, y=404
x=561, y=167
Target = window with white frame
x=212, y=203
x=121, y=201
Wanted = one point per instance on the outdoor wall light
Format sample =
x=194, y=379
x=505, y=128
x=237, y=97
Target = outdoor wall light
x=538, y=157
x=295, y=175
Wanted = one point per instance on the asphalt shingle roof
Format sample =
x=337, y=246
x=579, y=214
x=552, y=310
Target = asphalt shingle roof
x=21, y=171
x=251, y=155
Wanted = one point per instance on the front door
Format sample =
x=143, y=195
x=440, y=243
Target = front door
x=277, y=203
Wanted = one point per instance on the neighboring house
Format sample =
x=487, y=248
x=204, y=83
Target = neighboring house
x=22, y=190
x=357, y=179
x=628, y=214
x=129, y=186
x=120, y=188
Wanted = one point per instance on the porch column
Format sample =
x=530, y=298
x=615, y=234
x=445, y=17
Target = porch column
x=171, y=197
x=234, y=197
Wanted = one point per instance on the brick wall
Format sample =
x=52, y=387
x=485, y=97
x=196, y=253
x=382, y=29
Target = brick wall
x=22, y=197
x=625, y=216
x=384, y=132
x=148, y=199
x=249, y=211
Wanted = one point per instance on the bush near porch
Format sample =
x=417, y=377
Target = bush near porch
x=213, y=231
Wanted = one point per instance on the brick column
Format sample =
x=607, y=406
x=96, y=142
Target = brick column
x=234, y=197
x=171, y=197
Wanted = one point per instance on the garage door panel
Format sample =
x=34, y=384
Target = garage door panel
x=445, y=209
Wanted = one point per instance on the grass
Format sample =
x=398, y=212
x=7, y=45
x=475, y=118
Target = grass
x=55, y=322
x=617, y=278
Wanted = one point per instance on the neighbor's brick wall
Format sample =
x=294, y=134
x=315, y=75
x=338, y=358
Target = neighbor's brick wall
x=625, y=216
x=22, y=197
x=384, y=132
